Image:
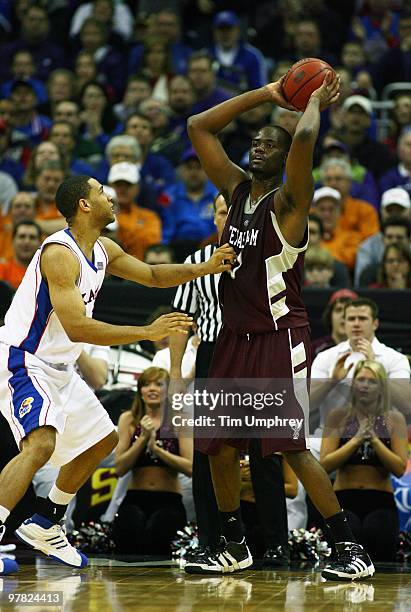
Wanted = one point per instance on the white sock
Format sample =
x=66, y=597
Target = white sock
x=4, y=514
x=60, y=497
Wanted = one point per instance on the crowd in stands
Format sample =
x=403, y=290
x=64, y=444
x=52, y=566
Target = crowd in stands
x=104, y=88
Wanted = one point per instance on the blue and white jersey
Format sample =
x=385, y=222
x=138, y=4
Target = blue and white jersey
x=31, y=324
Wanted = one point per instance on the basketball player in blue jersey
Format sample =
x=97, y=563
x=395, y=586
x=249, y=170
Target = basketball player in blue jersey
x=45, y=327
x=265, y=332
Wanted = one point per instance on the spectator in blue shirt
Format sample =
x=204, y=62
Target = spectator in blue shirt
x=23, y=67
x=190, y=214
x=241, y=66
x=26, y=119
x=202, y=76
x=400, y=175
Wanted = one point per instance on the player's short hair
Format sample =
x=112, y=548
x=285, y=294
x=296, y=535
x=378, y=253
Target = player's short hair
x=70, y=192
x=285, y=137
x=363, y=301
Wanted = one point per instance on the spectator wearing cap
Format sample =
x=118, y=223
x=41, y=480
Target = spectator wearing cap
x=400, y=175
x=356, y=121
x=26, y=119
x=364, y=185
x=333, y=320
x=347, y=222
x=26, y=240
x=22, y=206
x=240, y=65
x=395, y=232
x=34, y=37
x=24, y=68
x=202, y=76
x=138, y=227
x=190, y=215
x=396, y=207
x=341, y=277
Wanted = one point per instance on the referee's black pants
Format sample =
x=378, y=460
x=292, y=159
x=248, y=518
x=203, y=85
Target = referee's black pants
x=266, y=475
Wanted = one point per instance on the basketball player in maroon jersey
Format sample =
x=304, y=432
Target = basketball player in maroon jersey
x=265, y=331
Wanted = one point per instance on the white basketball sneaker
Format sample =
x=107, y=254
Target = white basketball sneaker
x=40, y=533
x=7, y=565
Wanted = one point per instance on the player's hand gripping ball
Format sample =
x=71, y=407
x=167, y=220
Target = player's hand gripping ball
x=302, y=79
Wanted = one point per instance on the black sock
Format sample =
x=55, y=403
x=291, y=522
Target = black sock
x=231, y=525
x=54, y=512
x=340, y=528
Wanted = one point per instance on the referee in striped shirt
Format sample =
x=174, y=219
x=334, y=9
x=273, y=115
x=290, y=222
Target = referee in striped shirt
x=200, y=297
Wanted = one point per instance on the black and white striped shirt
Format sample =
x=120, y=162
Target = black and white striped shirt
x=200, y=297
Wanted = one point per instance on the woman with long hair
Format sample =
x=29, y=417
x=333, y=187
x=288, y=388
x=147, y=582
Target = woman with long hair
x=44, y=152
x=152, y=510
x=365, y=443
x=395, y=268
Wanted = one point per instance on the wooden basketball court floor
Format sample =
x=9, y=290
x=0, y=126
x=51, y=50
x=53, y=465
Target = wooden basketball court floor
x=113, y=585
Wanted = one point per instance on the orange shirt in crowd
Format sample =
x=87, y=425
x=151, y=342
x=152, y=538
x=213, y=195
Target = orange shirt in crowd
x=49, y=212
x=358, y=221
x=138, y=229
x=6, y=238
x=12, y=273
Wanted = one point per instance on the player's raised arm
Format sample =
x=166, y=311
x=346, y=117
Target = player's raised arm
x=69, y=307
x=164, y=275
x=294, y=199
x=204, y=127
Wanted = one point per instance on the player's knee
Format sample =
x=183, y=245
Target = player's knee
x=39, y=445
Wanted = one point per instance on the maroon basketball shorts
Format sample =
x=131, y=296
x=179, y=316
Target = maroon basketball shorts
x=284, y=354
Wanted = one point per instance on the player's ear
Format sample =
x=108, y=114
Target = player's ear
x=84, y=205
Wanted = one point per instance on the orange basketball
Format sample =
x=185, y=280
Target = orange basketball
x=302, y=79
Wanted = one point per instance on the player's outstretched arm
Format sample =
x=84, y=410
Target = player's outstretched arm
x=164, y=275
x=295, y=197
x=68, y=305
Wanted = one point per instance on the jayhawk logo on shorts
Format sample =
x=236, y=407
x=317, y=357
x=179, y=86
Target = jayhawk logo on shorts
x=25, y=406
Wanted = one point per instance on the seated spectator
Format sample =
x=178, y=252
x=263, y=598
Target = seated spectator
x=395, y=269
x=156, y=170
x=358, y=219
x=85, y=69
x=165, y=24
x=202, y=76
x=363, y=185
x=121, y=148
x=333, y=368
x=395, y=203
x=240, y=65
x=333, y=320
x=85, y=148
x=318, y=267
x=34, y=36
x=166, y=142
x=159, y=254
x=60, y=86
x=342, y=228
x=356, y=120
x=190, y=214
x=9, y=163
x=341, y=277
x=156, y=66
x=181, y=100
x=63, y=135
x=117, y=17
x=365, y=442
x=395, y=65
x=376, y=29
x=23, y=68
x=98, y=121
x=26, y=241
x=400, y=175
x=395, y=231
x=307, y=42
x=22, y=206
x=26, y=119
x=46, y=181
x=8, y=190
x=138, y=89
x=152, y=510
x=44, y=152
x=400, y=118
x=353, y=58
x=109, y=61
x=138, y=227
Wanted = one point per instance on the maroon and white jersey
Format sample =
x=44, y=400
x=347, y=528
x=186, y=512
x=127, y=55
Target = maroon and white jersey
x=263, y=292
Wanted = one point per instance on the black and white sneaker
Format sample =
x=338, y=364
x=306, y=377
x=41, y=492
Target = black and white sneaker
x=351, y=562
x=228, y=557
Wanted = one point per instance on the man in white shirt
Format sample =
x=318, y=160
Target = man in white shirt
x=332, y=369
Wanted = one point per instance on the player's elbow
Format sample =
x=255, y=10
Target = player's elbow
x=305, y=134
